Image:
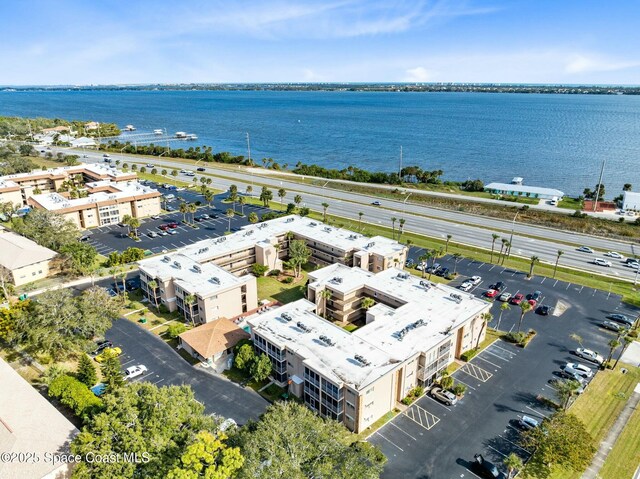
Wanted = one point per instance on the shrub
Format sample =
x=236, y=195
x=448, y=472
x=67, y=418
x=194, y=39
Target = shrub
x=162, y=308
x=259, y=269
x=459, y=389
x=274, y=272
x=418, y=391
x=288, y=280
x=515, y=337
x=75, y=395
x=176, y=329
x=407, y=401
x=468, y=355
x=446, y=382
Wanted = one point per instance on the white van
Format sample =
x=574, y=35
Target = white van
x=554, y=201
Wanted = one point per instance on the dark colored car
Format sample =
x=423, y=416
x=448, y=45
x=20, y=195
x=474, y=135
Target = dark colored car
x=102, y=345
x=442, y=272
x=434, y=269
x=133, y=284
x=202, y=169
x=198, y=219
x=117, y=286
x=173, y=225
x=499, y=286
x=543, y=310
x=620, y=318
x=485, y=469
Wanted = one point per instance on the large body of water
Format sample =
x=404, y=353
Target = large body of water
x=556, y=141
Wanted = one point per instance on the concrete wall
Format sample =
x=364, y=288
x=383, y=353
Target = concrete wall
x=29, y=273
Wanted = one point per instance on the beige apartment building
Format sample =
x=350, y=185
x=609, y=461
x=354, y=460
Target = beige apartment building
x=413, y=332
x=22, y=259
x=200, y=292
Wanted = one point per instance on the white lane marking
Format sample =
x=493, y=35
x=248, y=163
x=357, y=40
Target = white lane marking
x=502, y=454
x=402, y=430
x=537, y=412
x=391, y=442
x=487, y=361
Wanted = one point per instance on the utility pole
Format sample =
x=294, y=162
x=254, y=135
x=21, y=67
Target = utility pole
x=595, y=204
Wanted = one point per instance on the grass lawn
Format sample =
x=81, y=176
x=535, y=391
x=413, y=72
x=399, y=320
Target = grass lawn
x=273, y=393
x=135, y=310
x=350, y=327
x=624, y=458
x=270, y=288
x=240, y=377
x=598, y=409
x=571, y=203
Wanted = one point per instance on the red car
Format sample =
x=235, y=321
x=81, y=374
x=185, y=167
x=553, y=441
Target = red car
x=164, y=227
x=533, y=303
x=517, y=299
x=492, y=293
x=173, y=225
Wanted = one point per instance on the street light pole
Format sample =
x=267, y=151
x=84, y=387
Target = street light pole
x=513, y=225
x=404, y=203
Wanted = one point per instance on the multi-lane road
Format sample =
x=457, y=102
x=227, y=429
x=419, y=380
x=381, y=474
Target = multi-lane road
x=474, y=230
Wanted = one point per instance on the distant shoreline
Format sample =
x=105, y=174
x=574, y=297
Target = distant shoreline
x=362, y=87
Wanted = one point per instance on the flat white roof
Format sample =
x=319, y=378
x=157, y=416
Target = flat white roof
x=195, y=278
x=426, y=319
x=524, y=189
x=339, y=277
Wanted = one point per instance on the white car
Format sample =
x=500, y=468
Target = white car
x=135, y=371
x=466, y=286
x=504, y=297
x=589, y=355
x=578, y=369
x=634, y=265
x=421, y=266
x=149, y=165
x=602, y=262
x=155, y=217
x=613, y=254
x=585, y=249
x=475, y=279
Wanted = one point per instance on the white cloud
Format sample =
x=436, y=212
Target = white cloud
x=418, y=74
x=586, y=64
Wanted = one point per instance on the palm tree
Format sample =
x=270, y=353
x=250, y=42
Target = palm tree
x=525, y=307
x=486, y=318
x=266, y=195
x=325, y=206
x=360, y=215
x=507, y=251
x=183, y=208
x=566, y=390
x=502, y=246
x=423, y=258
x=135, y=224
x=457, y=257
x=512, y=463
x=401, y=227
x=435, y=254
x=281, y=194
x=153, y=285
x=393, y=226
x=503, y=307
x=297, y=200
x=560, y=253
x=446, y=245
x=190, y=300
x=126, y=220
x=203, y=189
x=325, y=294
x=367, y=303
x=613, y=344
x=249, y=190
x=192, y=208
x=275, y=256
x=494, y=237
x=208, y=196
x=242, y=200
x=230, y=214
x=534, y=260
x=626, y=341
x=253, y=217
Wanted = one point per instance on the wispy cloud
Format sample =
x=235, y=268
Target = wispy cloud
x=590, y=64
x=418, y=74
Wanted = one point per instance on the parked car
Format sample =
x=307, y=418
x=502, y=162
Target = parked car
x=421, y=266
x=434, y=268
x=173, y=224
x=504, y=297
x=613, y=254
x=475, y=280
x=205, y=217
x=620, y=318
x=602, y=262
x=526, y=422
x=611, y=326
x=534, y=298
x=133, y=283
x=491, y=293
x=111, y=292
x=197, y=219
x=115, y=352
x=485, y=469
x=465, y=286
x=152, y=234
x=444, y=396
x=500, y=286
x=135, y=371
x=543, y=310
x=585, y=249
x=376, y=203
x=517, y=299
x=579, y=369
x=155, y=217
x=102, y=345
x=590, y=355
x=572, y=375
x=163, y=227
x=444, y=272
x=172, y=232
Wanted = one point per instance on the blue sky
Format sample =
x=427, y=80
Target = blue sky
x=105, y=42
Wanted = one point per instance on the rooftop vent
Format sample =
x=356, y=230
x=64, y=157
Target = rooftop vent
x=371, y=245
x=362, y=360
x=215, y=280
x=424, y=284
x=313, y=224
x=177, y=265
x=286, y=316
x=456, y=297
x=197, y=268
x=403, y=276
x=403, y=332
x=327, y=229
x=289, y=220
x=326, y=340
x=303, y=326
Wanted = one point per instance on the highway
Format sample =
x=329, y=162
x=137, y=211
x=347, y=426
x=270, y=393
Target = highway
x=469, y=229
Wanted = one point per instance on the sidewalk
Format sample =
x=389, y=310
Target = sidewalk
x=608, y=443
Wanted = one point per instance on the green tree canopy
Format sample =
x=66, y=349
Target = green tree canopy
x=208, y=457
x=299, y=254
x=290, y=441
x=244, y=357
x=142, y=418
x=48, y=229
x=86, y=372
x=260, y=368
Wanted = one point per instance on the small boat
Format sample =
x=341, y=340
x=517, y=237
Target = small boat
x=192, y=137
x=130, y=128
x=158, y=131
x=181, y=134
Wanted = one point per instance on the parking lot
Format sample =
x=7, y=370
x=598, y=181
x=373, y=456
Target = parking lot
x=107, y=239
x=432, y=440
x=166, y=367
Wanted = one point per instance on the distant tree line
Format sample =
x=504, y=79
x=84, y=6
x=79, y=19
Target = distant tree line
x=20, y=128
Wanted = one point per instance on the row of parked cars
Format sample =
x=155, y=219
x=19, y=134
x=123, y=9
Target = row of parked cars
x=498, y=291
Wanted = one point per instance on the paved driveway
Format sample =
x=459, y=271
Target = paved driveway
x=431, y=440
x=167, y=367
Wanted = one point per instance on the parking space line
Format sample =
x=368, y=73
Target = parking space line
x=537, y=412
x=481, y=265
x=438, y=402
x=543, y=278
x=466, y=384
x=513, y=443
x=505, y=350
x=491, y=269
x=393, y=443
x=568, y=286
x=581, y=288
x=422, y=416
x=502, y=454
x=497, y=355
x=402, y=430
x=487, y=361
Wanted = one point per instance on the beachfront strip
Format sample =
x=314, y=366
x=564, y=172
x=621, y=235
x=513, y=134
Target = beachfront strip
x=413, y=328
x=88, y=195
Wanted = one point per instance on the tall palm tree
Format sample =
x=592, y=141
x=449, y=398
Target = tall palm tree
x=513, y=463
x=503, y=307
x=626, y=341
x=324, y=212
x=126, y=220
x=435, y=254
x=507, y=251
x=393, y=227
x=560, y=253
x=446, y=245
x=242, y=200
x=135, y=224
x=297, y=200
x=253, y=217
x=230, y=214
x=525, y=307
x=325, y=294
x=183, y=208
x=502, y=246
x=275, y=256
x=281, y=194
x=249, y=190
x=486, y=319
x=360, y=215
x=401, y=227
x=457, y=257
x=190, y=300
x=192, y=208
x=153, y=285
x=208, y=196
x=423, y=258
x=494, y=237
x=613, y=344
x=534, y=260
